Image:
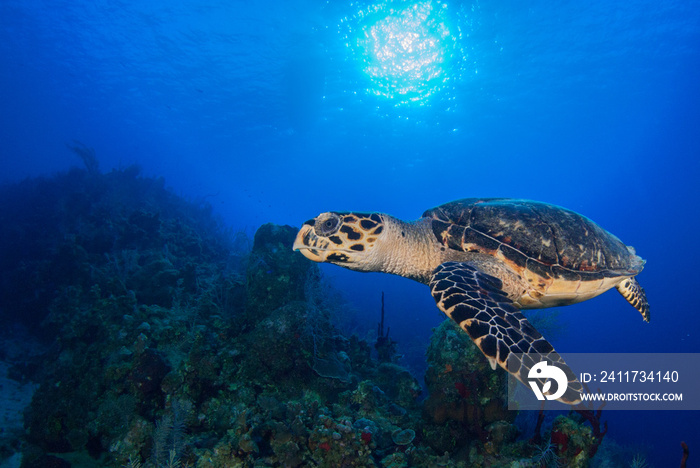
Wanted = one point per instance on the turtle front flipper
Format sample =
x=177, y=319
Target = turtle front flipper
x=477, y=302
x=634, y=293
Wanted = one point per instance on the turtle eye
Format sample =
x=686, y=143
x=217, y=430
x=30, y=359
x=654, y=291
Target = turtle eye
x=327, y=225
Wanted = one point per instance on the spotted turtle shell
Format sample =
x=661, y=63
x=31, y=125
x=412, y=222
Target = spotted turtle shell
x=546, y=239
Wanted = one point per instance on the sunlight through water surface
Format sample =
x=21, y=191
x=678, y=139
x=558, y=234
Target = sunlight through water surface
x=408, y=50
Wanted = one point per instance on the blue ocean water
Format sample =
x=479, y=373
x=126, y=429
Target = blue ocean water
x=277, y=111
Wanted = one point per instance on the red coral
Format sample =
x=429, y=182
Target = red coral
x=593, y=417
x=366, y=437
x=325, y=446
x=462, y=389
x=684, y=446
x=561, y=441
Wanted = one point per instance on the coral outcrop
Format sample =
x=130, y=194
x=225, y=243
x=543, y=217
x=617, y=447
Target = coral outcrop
x=465, y=396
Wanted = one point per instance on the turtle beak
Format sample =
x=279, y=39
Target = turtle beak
x=307, y=242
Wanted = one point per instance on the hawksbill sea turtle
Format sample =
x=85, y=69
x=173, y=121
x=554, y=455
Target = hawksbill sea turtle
x=485, y=259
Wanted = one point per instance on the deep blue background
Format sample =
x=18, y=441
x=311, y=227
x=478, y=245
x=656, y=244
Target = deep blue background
x=263, y=109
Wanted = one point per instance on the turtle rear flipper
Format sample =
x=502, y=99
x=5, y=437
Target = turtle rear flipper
x=634, y=293
x=477, y=302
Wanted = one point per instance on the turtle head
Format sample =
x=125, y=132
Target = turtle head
x=345, y=239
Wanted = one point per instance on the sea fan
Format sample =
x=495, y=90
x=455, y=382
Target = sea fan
x=169, y=436
x=639, y=461
x=545, y=457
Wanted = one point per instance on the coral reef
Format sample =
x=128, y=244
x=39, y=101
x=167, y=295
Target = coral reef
x=385, y=346
x=172, y=342
x=572, y=441
x=593, y=417
x=466, y=397
x=173, y=347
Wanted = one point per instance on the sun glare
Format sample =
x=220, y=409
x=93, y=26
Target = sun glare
x=405, y=48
